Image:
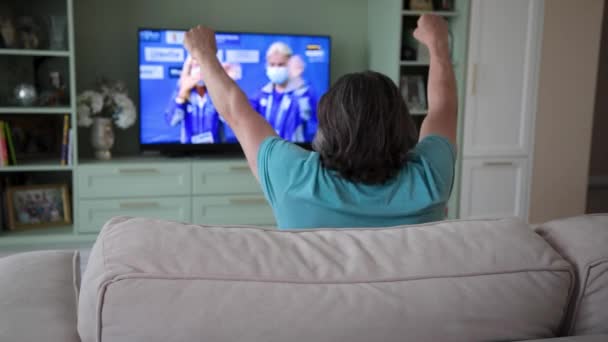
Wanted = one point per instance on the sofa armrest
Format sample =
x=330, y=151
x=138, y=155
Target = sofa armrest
x=38, y=294
x=583, y=242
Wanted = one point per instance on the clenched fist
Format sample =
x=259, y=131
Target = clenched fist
x=200, y=42
x=432, y=31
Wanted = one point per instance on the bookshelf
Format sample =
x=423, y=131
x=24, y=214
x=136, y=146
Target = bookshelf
x=35, y=110
x=391, y=23
x=33, y=66
x=411, y=13
x=41, y=166
x=29, y=52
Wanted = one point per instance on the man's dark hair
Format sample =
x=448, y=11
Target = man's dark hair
x=365, y=129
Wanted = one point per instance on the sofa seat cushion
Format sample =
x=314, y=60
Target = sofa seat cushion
x=151, y=280
x=584, y=242
x=38, y=296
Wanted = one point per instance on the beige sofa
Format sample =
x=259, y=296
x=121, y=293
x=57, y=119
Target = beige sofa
x=148, y=280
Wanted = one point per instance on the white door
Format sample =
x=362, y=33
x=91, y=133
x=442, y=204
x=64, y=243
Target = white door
x=493, y=187
x=504, y=47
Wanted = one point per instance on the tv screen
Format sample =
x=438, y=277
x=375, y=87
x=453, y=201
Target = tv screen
x=283, y=76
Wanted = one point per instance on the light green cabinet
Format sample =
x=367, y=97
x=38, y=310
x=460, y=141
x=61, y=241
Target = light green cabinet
x=227, y=193
x=232, y=210
x=223, y=177
x=212, y=192
x=93, y=214
x=134, y=180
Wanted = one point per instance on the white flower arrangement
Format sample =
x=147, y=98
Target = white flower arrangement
x=111, y=101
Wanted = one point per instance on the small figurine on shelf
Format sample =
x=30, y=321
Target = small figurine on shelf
x=8, y=34
x=57, y=94
x=30, y=33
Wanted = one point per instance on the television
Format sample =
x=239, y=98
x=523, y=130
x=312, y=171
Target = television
x=179, y=117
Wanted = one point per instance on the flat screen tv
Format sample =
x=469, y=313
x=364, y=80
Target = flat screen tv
x=283, y=76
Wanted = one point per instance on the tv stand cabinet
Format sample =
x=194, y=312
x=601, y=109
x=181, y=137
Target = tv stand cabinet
x=201, y=191
x=213, y=191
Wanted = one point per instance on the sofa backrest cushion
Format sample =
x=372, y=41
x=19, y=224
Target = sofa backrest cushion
x=38, y=293
x=150, y=280
x=584, y=242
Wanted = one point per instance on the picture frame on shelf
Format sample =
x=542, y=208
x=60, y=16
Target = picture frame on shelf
x=38, y=206
x=443, y=5
x=421, y=5
x=414, y=93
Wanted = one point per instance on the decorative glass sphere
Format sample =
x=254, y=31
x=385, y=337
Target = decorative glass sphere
x=25, y=94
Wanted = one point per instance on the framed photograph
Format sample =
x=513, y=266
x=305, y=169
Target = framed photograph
x=35, y=206
x=414, y=93
x=421, y=5
x=443, y=5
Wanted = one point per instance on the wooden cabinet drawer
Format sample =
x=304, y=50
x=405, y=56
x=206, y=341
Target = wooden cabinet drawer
x=232, y=210
x=93, y=214
x=223, y=178
x=134, y=180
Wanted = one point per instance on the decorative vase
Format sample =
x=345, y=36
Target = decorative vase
x=57, y=32
x=102, y=138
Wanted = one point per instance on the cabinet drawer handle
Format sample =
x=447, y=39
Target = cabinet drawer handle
x=139, y=205
x=247, y=201
x=138, y=171
x=239, y=168
x=498, y=163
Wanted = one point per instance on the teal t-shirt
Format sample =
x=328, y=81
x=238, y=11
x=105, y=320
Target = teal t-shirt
x=304, y=194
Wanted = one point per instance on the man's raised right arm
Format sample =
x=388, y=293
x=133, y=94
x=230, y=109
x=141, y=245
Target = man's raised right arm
x=442, y=117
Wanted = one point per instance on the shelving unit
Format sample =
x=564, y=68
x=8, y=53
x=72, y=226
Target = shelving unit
x=40, y=53
x=388, y=22
x=42, y=166
x=419, y=13
x=35, y=110
x=413, y=63
x=52, y=237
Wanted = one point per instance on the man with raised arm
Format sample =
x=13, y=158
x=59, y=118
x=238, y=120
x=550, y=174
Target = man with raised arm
x=367, y=169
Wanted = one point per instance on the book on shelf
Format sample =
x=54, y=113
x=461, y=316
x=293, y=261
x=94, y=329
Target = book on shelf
x=3, y=148
x=65, y=139
x=70, y=147
x=11, y=146
x=4, y=183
